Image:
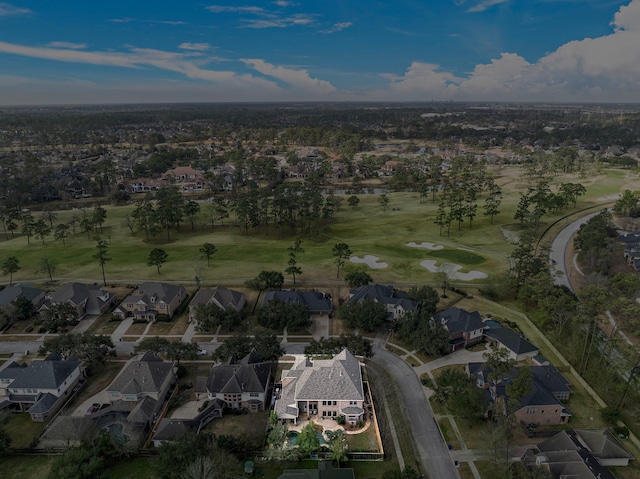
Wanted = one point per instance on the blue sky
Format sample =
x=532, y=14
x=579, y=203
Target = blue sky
x=335, y=50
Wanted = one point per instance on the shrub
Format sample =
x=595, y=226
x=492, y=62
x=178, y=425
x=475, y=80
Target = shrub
x=181, y=371
x=610, y=414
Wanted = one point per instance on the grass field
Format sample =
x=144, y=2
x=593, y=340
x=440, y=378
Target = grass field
x=368, y=229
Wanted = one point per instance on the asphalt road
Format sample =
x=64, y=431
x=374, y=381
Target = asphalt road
x=435, y=459
x=559, y=249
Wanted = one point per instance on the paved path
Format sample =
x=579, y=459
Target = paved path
x=122, y=328
x=189, y=333
x=433, y=454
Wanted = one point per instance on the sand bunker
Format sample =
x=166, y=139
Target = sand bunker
x=430, y=264
x=370, y=260
x=425, y=244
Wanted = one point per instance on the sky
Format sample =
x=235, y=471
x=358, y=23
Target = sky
x=91, y=52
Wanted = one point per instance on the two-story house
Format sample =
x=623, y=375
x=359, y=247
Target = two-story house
x=240, y=384
x=326, y=388
x=220, y=296
x=542, y=404
x=10, y=294
x=150, y=299
x=40, y=388
x=394, y=300
x=147, y=376
x=464, y=328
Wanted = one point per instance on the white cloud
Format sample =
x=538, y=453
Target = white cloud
x=196, y=47
x=273, y=21
x=337, y=27
x=298, y=80
x=285, y=3
x=603, y=69
x=627, y=17
x=70, y=45
x=485, y=5
x=7, y=9
x=223, y=9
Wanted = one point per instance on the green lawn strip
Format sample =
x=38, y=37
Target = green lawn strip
x=21, y=467
x=5, y=355
x=22, y=430
x=448, y=433
x=487, y=469
x=465, y=471
x=135, y=468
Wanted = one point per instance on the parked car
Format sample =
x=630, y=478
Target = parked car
x=202, y=352
x=93, y=408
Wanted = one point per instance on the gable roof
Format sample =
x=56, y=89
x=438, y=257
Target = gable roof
x=156, y=292
x=91, y=295
x=144, y=375
x=9, y=294
x=602, y=443
x=50, y=373
x=511, y=340
x=458, y=320
x=382, y=294
x=239, y=377
x=313, y=300
x=223, y=297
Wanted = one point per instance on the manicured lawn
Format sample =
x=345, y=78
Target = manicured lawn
x=253, y=426
x=23, y=467
x=458, y=256
x=136, y=468
x=22, y=430
x=365, y=441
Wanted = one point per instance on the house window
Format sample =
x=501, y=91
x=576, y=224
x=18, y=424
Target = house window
x=542, y=412
x=562, y=395
x=353, y=403
x=6, y=381
x=253, y=395
x=333, y=413
x=531, y=410
x=335, y=403
x=324, y=403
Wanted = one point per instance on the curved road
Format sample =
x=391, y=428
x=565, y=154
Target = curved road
x=433, y=453
x=559, y=249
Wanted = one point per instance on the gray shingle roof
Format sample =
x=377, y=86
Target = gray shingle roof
x=339, y=378
x=161, y=292
x=44, y=402
x=511, y=340
x=221, y=296
x=9, y=294
x=50, y=373
x=237, y=378
x=92, y=296
x=145, y=375
x=313, y=300
x=459, y=320
x=382, y=294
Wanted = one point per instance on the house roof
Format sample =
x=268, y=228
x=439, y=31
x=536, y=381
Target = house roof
x=574, y=447
x=9, y=294
x=459, y=320
x=239, y=377
x=51, y=373
x=382, y=294
x=339, y=378
x=44, y=402
x=144, y=375
x=511, y=340
x=153, y=292
x=91, y=295
x=223, y=297
x=169, y=429
x=313, y=300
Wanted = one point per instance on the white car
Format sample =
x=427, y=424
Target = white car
x=202, y=352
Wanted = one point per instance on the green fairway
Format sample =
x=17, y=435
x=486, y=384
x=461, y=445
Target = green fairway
x=368, y=229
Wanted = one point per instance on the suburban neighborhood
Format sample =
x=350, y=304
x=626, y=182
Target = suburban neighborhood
x=368, y=293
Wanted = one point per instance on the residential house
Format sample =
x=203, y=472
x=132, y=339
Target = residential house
x=395, y=301
x=150, y=299
x=519, y=348
x=241, y=384
x=40, y=388
x=543, y=404
x=220, y=296
x=323, y=387
x=9, y=295
x=316, y=302
x=134, y=401
x=464, y=328
x=142, y=377
x=88, y=299
x=581, y=453
x=144, y=185
x=187, y=178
